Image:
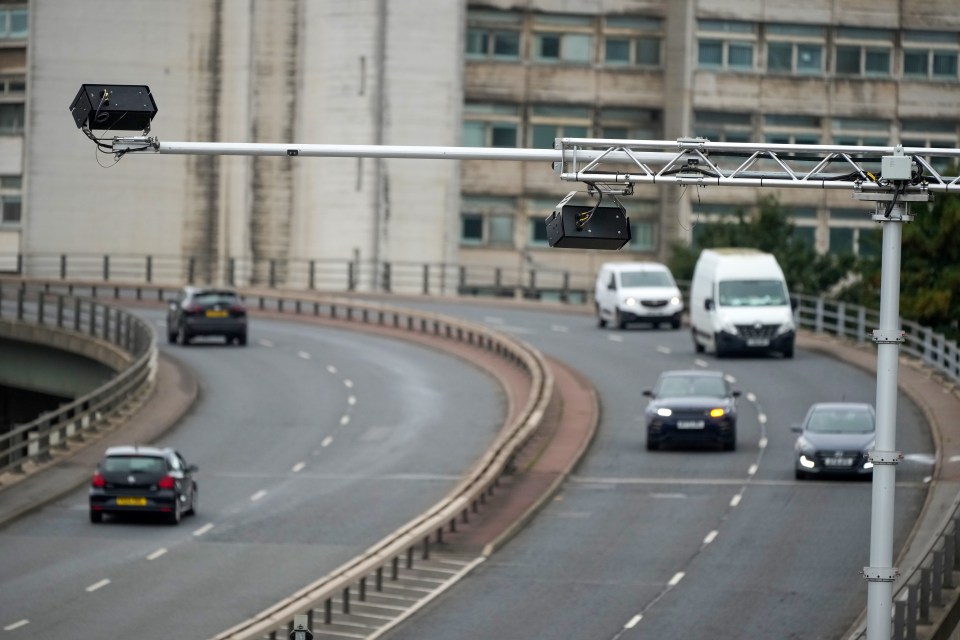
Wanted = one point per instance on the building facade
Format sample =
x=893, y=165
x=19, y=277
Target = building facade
x=496, y=73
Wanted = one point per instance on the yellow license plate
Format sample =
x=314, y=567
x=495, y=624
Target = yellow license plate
x=213, y=313
x=131, y=502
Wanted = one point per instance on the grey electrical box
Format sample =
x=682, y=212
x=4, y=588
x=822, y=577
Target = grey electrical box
x=896, y=167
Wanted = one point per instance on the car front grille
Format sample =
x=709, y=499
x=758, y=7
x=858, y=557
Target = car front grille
x=654, y=304
x=749, y=331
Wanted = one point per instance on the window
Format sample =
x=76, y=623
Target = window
x=860, y=131
x=720, y=126
x=848, y=229
x=930, y=55
x=11, y=118
x=791, y=129
x=550, y=122
x=863, y=52
x=632, y=41
x=795, y=49
x=490, y=125
x=537, y=232
x=487, y=221
x=726, y=44
x=936, y=134
x=13, y=86
x=563, y=38
x=630, y=124
x=13, y=23
x=493, y=35
x=11, y=209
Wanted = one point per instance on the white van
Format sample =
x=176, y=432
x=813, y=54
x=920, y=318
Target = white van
x=637, y=292
x=739, y=301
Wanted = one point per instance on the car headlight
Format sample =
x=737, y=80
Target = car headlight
x=807, y=462
x=630, y=302
x=675, y=300
x=719, y=412
x=664, y=412
x=868, y=465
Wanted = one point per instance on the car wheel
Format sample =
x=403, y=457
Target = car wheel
x=192, y=511
x=652, y=445
x=675, y=323
x=171, y=337
x=730, y=445
x=96, y=517
x=618, y=320
x=601, y=323
x=788, y=352
x=699, y=348
x=242, y=340
x=800, y=475
x=717, y=351
x=177, y=514
x=183, y=338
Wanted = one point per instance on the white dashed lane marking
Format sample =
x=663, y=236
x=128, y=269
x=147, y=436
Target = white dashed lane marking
x=615, y=338
x=352, y=400
x=348, y=383
x=255, y=497
x=202, y=530
x=156, y=554
x=711, y=537
x=634, y=621
x=665, y=350
x=735, y=500
x=331, y=368
x=298, y=467
x=304, y=355
x=344, y=420
x=98, y=585
x=326, y=442
x=16, y=625
x=675, y=580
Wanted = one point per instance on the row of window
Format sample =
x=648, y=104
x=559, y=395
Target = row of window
x=795, y=49
x=10, y=200
x=13, y=23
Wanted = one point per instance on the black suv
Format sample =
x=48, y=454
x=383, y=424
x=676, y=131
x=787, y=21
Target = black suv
x=214, y=311
x=133, y=479
x=692, y=406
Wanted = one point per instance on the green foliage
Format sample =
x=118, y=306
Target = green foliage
x=929, y=267
x=771, y=231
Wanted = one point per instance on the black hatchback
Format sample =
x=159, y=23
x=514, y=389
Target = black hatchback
x=692, y=406
x=143, y=480
x=212, y=311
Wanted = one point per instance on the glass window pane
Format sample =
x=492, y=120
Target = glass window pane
x=848, y=60
x=548, y=47
x=780, y=56
x=476, y=42
x=878, y=61
x=915, y=62
x=474, y=134
x=710, y=53
x=809, y=58
x=543, y=136
x=471, y=228
x=501, y=230
x=578, y=48
x=841, y=240
x=574, y=132
x=614, y=133
x=506, y=44
x=537, y=231
x=18, y=23
x=11, y=118
x=741, y=56
x=11, y=209
x=617, y=51
x=945, y=64
x=504, y=135
x=648, y=51
x=643, y=235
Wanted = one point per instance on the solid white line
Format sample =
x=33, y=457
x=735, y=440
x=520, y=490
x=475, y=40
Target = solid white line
x=254, y=497
x=331, y=368
x=266, y=343
x=344, y=419
x=763, y=443
x=16, y=625
x=304, y=355
x=701, y=363
x=735, y=500
x=711, y=537
x=663, y=349
x=298, y=467
x=326, y=441
x=634, y=621
x=352, y=400
x=202, y=530
x=98, y=585
x=348, y=383
x=156, y=554
x=559, y=328
x=752, y=470
x=615, y=338
x=677, y=577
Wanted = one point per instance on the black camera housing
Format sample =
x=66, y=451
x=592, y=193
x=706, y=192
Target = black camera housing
x=119, y=107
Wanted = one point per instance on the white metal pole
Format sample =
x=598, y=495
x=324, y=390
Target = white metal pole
x=881, y=573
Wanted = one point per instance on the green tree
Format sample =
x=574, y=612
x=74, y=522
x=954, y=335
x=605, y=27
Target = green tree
x=929, y=267
x=770, y=230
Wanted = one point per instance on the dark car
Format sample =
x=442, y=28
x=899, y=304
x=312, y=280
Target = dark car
x=143, y=480
x=214, y=311
x=835, y=439
x=692, y=406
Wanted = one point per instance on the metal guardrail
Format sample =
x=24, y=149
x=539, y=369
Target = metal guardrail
x=464, y=499
x=89, y=321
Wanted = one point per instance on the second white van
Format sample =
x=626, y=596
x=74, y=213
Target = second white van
x=637, y=292
x=739, y=301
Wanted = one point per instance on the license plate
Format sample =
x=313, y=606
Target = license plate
x=758, y=342
x=217, y=313
x=131, y=502
x=838, y=462
x=690, y=424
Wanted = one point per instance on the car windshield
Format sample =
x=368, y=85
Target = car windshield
x=687, y=386
x=840, y=421
x=751, y=293
x=646, y=279
x=216, y=297
x=133, y=464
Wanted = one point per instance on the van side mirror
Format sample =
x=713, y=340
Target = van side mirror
x=796, y=428
x=612, y=286
x=736, y=393
x=708, y=304
x=648, y=392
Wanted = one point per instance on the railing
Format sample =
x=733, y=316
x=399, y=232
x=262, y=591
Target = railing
x=415, y=536
x=86, y=321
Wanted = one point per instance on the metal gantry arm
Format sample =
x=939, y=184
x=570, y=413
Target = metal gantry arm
x=606, y=165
